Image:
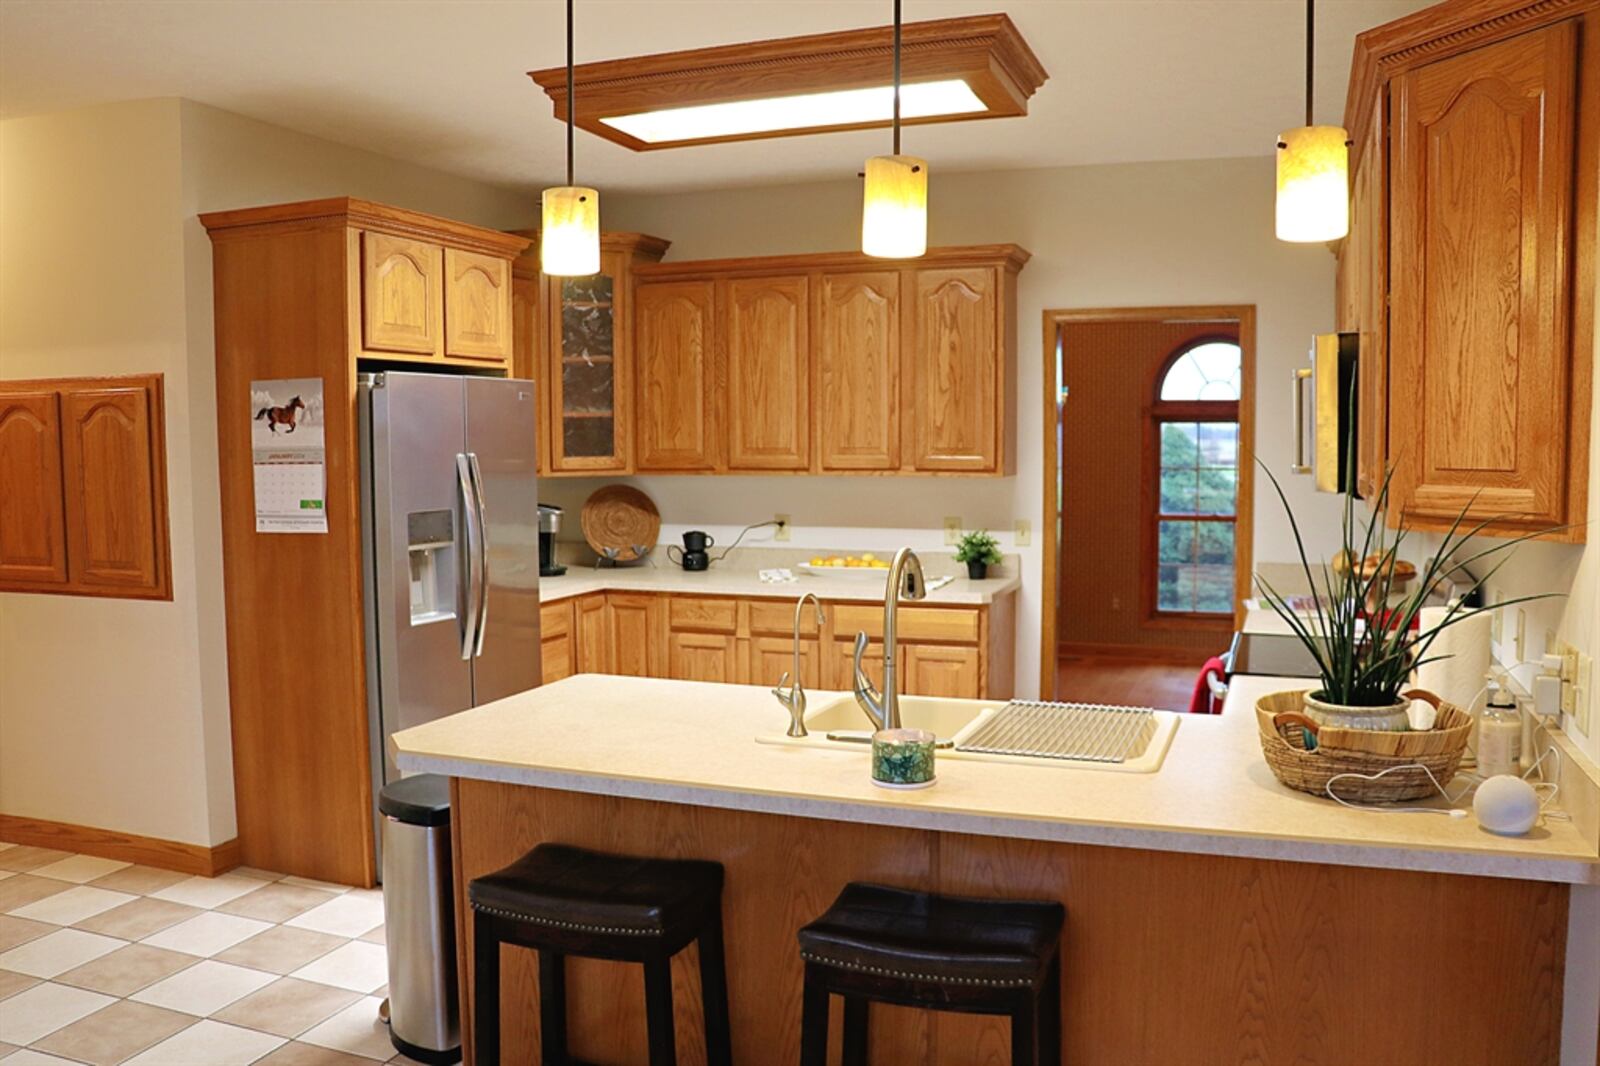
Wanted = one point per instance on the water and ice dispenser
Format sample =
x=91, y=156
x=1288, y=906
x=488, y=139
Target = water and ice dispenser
x=431, y=543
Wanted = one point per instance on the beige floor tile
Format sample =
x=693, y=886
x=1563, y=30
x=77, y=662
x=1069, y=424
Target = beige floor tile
x=139, y=880
x=44, y=1008
x=23, y=858
x=126, y=970
x=259, y=875
x=356, y=966
x=12, y=983
x=287, y=1007
x=207, y=933
x=6, y=1049
x=276, y=902
x=209, y=1043
x=23, y=889
x=74, y=905
x=14, y=931
x=57, y=952
x=351, y=914
x=355, y=1029
x=374, y=936
x=281, y=949
x=297, y=1054
x=137, y=920
x=208, y=892
x=81, y=869
x=204, y=988
x=111, y=1035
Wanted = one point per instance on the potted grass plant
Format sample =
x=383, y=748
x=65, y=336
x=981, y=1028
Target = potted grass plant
x=979, y=550
x=1363, y=628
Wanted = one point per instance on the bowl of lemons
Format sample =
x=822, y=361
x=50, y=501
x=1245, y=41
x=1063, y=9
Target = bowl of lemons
x=864, y=565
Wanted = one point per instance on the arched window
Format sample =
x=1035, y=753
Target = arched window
x=1194, y=484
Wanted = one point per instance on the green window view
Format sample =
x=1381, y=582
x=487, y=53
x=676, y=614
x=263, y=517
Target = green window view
x=1197, y=426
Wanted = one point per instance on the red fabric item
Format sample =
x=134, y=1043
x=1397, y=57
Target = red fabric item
x=1387, y=620
x=1201, y=702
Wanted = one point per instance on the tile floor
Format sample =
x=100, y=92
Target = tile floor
x=103, y=962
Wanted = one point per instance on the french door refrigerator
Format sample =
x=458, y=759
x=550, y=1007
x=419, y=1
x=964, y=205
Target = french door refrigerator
x=450, y=517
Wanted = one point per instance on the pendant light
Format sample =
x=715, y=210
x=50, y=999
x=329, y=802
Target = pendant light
x=894, y=209
x=1313, y=172
x=569, y=239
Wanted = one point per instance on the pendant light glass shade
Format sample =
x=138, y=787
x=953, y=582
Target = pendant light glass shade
x=569, y=238
x=894, y=210
x=1313, y=184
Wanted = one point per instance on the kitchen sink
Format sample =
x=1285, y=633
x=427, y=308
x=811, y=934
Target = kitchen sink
x=1004, y=731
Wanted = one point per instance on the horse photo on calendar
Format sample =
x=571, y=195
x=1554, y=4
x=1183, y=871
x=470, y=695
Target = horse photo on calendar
x=286, y=414
x=281, y=416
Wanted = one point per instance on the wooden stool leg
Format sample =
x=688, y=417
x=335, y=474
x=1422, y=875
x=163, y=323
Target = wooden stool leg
x=658, y=1012
x=855, y=1031
x=552, y=1008
x=1050, y=1016
x=1024, y=1030
x=485, y=992
x=814, y=1020
x=714, y=996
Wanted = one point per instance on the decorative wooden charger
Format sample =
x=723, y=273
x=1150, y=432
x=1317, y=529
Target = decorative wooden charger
x=620, y=523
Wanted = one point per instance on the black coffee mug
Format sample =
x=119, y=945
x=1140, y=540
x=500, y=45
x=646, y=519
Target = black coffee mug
x=697, y=541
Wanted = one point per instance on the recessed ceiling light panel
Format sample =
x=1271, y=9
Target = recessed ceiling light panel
x=952, y=69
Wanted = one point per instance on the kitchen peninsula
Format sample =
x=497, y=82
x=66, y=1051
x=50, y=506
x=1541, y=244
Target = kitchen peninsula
x=1208, y=907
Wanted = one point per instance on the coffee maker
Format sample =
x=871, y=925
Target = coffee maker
x=693, y=555
x=549, y=526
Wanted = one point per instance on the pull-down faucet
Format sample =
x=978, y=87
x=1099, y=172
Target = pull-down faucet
x=905, y=578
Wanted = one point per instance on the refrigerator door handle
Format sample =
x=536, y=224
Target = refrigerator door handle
x=483, y=554
x=471, y=514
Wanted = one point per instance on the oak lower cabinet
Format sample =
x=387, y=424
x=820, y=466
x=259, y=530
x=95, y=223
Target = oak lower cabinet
x=1470, y=267
x=954, y=651
x=83, y=487
x=557, y=642
x=829, y=364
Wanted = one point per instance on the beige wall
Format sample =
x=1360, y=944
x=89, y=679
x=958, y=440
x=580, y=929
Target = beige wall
x=116, y=714
x=1105, y=236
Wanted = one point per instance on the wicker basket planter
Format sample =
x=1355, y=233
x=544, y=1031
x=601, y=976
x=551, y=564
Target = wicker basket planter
x=1284, y=728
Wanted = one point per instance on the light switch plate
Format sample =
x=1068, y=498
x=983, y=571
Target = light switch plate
x=952, y=529
x=1024, y=533
x=782, y=532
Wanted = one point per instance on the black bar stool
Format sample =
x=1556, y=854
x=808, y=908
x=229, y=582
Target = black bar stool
x=564, y=901
x=946, y=953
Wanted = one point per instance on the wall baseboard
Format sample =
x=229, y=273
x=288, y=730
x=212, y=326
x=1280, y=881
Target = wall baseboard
x=129, y=847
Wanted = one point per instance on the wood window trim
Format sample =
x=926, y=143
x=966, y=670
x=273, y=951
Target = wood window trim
x=986, y=51
x=1243, y=316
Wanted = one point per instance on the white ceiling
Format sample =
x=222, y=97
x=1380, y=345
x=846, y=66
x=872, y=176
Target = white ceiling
x=442, y=82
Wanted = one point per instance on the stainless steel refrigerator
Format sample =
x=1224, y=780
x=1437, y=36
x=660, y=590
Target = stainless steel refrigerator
x=450, y=523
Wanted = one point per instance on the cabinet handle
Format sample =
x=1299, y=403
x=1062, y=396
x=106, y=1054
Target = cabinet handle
x=1298, y=405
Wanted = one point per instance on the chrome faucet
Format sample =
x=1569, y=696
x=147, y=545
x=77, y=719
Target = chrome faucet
x=794, y=699
x=905, y=579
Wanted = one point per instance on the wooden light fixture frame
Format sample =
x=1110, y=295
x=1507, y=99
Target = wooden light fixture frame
x=985, y=51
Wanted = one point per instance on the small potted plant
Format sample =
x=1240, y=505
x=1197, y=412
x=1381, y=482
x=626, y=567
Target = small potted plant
x=979, y=550
x=1363, y=630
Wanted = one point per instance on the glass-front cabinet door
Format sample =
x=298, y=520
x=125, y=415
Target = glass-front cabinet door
x=589, y=390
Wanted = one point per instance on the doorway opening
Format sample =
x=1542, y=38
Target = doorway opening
x=1148, y=486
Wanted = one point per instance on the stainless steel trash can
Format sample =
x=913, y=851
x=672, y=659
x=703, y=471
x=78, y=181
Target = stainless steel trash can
x=419, y=917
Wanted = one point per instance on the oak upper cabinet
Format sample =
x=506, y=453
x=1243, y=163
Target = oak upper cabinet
x=857, y=351
x=1469, y=270
x=83, y=488
x=33, y=536
x=954, y=370
x=402, y=295
x=478, y=321
x=766, y=351
x=679, y=408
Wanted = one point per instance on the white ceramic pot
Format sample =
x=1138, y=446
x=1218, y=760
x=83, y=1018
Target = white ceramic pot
x=1388, y=719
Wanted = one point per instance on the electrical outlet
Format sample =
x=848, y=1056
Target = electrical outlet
x=1024, y=533
x=1521, y=646
x=782, y=532
x=952, y=529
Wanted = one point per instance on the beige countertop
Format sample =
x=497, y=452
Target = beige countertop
x=693, y=743
x=666, y=577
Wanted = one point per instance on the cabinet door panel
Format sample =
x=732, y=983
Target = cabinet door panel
x=1369, y=277
x=858, y=370
x=111, y=484
x=954, y=367
x=589, y=380
x=1482, y=152
x=402, y=294
x=767, y=348
x=556, y=657
x=772, y=657
x=33, y=545
x=591, y=628
x=677, y=423
x=477, y=306
x=940, y=670
x=634, y=631
x=702, y=657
